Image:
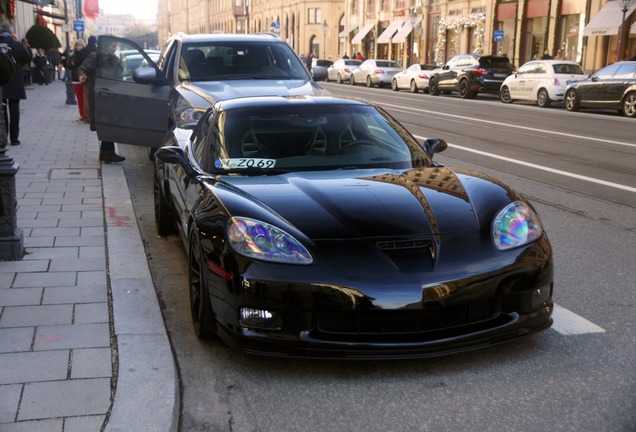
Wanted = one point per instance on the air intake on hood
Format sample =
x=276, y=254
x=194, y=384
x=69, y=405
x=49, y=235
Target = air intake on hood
x=409, y=256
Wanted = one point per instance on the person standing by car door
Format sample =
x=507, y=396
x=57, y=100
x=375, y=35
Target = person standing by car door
x=109, y=67
x=13, y=91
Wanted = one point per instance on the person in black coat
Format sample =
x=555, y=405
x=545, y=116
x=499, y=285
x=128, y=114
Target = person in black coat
x=13, y=91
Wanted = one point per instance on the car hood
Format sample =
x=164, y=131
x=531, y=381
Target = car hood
x=373, y=203
x=213, y=91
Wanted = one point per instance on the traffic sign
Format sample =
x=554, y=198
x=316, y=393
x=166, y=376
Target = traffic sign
x=499, y=35
x=78, y=25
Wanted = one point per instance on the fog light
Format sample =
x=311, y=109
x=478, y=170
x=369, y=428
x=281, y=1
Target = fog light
x=540, y=295
x=260, y=318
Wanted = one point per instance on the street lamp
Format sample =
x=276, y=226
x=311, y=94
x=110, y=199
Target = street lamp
x=626, y=4
x=325, y=28
x=412, y=21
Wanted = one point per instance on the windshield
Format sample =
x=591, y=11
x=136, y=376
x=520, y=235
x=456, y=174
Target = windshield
x=311, y=137
x=224, y=60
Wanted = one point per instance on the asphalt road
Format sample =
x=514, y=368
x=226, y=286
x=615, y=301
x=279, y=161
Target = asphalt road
x=578, y=169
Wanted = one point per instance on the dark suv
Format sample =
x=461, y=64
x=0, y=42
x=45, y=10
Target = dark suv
x=147, y=105
x=469, y=74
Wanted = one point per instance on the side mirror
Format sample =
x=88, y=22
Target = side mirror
x=148, y=75
x=175, y=155
x=434, y=145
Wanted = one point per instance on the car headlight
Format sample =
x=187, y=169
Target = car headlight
x=262, y=241
x=189, y=116
x=515, y=225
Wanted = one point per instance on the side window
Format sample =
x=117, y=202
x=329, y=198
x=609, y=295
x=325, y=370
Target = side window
x=626, y=71
x=607, y=72
x=525, y=69
x=167, y=59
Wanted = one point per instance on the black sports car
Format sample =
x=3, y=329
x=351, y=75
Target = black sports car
x=318, y=226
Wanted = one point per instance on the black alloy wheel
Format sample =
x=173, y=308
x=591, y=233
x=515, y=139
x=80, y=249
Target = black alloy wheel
x=464, y=90
x=200, y=308
x=433, y=88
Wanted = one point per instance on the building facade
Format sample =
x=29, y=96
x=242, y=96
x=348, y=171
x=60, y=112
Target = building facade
x=427, y=31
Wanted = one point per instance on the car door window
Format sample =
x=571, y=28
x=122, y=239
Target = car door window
x=626, y=71
x=606, y=73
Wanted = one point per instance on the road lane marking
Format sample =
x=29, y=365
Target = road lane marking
x=569, y=323
x=498, y=124
x=542, y=168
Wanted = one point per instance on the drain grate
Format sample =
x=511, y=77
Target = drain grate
x=81, y=174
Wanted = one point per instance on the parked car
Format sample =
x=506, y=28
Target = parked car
x=341, y=69
x=375, y=72
x=613, y=87
x=471, y=74
x=318, y=226
x=319, y=68
x=413, y=78
x=541, y=81
x=193, y=73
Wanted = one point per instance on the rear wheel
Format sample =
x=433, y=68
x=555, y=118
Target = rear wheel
x=200, y=308
x=339, y=79
x=629, y=105
x=369, y=82
x=432, y=87
x=543, y=98
x=464, y=90
x=504, y=95
x=413, y=87
x=572, y=101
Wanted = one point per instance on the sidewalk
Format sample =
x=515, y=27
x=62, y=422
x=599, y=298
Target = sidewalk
x=83, y=345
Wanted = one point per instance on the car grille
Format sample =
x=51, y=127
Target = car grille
x=406, y=320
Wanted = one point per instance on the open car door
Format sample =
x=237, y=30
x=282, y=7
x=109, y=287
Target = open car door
x=126, y=111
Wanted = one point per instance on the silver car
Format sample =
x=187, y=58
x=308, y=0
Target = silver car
x=340, y=70
x=375, y=72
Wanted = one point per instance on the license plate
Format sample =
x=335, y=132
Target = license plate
x=499, y=75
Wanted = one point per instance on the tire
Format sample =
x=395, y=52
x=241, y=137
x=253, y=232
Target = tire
x=352, y=80
x=433, y=88
x=369, y=82
x=163, y=222
x=543, y=98
x=464, y=90
x=339, y=79
x=504, y=95
x=572, y=101
x=200, y=309
x=629, y=105
x=413, y=87
x=394, y=85
x=151, y=153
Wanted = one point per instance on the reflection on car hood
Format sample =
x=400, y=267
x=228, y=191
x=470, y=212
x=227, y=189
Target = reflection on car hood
x=214, y=91
x=378, y=202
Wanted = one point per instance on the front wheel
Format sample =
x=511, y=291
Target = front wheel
x=629, y=105
x=571, y=101
x=543, y=98
x=394, y=85
x=504, y=95
x=433, y=88
x=200, y=308
x=352, y=80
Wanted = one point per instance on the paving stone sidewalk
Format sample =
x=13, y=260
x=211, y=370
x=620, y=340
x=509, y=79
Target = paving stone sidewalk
x=83, y=345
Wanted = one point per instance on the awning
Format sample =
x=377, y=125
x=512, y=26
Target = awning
x=346, y=31
x=362, y=33
x=607, y=21
x=386, y=35
x=400, y=36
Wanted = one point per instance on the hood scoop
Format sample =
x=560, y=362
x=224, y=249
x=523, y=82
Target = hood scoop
x=409, y=256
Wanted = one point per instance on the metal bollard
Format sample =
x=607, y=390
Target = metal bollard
x=11, y=237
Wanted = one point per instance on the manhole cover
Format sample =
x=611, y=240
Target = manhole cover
x=66, y=174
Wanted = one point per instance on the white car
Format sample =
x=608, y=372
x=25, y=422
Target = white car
x=541, y=81
x=340, y=70
x=375, y=72
x=414, y=78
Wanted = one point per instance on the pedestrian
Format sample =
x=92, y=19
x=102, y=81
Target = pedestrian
x=91, y=46
x=13, y=91
x=345, y=56
x=359, y=56
x=309, y=61
x=78, y=87
x=558, y=55
x=109, y=67
x=26, y=67
x=55, y=60
x=41, y=63
x=546, y=55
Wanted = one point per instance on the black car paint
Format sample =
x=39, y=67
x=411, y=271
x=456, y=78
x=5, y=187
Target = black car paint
x=371, y=233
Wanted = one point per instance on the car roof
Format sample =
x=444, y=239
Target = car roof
x=205, y=37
